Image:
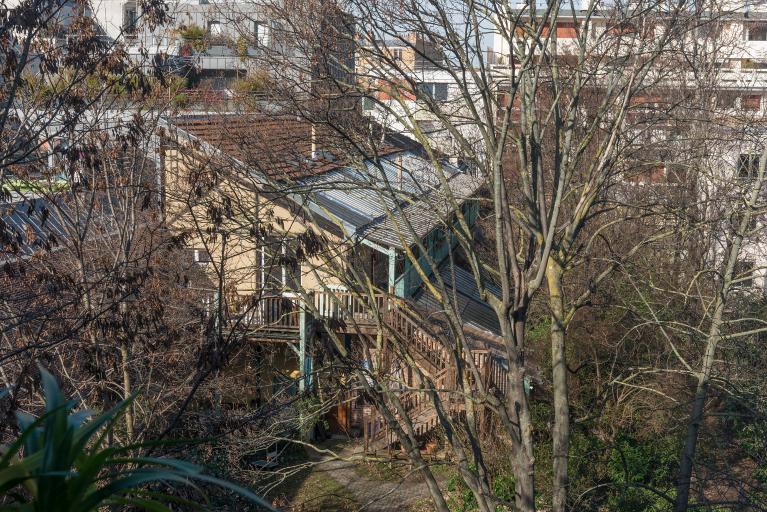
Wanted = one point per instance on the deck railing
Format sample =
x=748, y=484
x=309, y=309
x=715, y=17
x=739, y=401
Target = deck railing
x=282, y=313
x=279, y=312
x=274, y=312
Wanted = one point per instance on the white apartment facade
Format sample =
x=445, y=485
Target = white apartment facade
x=215, y=37
x=403, y=105
x=737, y=43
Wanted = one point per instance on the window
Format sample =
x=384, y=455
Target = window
x=676, y=173
x=757, y=32
x=279, y=35
x=748, y=166
x=280, y=264
x=291, y=265
x=260, y=32
x=201, y=256
x=436, y=91
x=130, y=19
x=429, y=126
x=726, y=99
x=214, y=28
x=752, y=102
x=397, y=54
x=743, y=274
x=368, y=104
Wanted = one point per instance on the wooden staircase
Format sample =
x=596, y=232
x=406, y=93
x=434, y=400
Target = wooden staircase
x=346, y=312
x=434, y=360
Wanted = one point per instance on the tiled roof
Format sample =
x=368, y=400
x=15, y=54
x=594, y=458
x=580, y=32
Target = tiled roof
x=276, y=147
x=279, y=147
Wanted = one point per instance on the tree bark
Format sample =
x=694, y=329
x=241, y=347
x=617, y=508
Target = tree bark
x=560, y=433
x=127, y=390
x=523, y=459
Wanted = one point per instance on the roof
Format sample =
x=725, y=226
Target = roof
x=424, y=213
x=372, y=204
x=27, y=225
x=369, y=203
x=279, y=147
x=463, y=291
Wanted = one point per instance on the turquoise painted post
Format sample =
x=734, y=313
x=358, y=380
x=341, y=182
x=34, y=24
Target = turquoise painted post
x=393, y=273
x=304, y=361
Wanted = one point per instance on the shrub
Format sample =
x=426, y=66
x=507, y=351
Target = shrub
x=62, y=462
x=195, y=36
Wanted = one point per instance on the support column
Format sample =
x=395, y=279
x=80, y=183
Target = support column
x=392, y=269
x=304, y=360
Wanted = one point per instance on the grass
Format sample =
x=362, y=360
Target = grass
x=387, y=471
x=314, y=490
x=19, y=185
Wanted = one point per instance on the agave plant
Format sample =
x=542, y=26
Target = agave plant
x=61, y=463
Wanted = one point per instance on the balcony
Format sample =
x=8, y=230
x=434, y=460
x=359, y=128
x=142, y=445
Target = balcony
x=278, y=316
x=268, y=317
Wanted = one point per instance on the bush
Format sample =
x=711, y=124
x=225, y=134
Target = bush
x=634, y=464
x=61, y=461
x=195, y=36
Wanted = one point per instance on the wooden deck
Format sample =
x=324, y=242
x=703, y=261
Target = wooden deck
x=277, y=318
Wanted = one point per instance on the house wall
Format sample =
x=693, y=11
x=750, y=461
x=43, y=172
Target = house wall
x=239, y=250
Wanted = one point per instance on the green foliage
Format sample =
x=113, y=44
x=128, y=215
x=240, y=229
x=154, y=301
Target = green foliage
x=257, y=82
x=460, y=498
x=180, y=100
x=539, y=329
x=61, y=462
x=636, y=465
x=503, y=485
x=195, y=36
x=19, y=185
x=242, y=48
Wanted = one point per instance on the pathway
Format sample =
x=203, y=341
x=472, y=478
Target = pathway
x=373, y=495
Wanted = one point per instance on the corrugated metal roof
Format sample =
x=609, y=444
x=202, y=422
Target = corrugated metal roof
x=424, y=213
x=26, y=226
x=462, y=289
x=371, y=210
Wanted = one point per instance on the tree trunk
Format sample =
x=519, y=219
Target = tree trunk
x=127, y=390
x=712, y=340
x=523, y=460
x=561, y=431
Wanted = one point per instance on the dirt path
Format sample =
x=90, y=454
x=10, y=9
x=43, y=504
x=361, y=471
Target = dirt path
x=373, y=495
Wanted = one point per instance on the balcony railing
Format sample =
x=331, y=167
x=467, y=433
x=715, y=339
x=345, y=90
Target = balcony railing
x=267, y=312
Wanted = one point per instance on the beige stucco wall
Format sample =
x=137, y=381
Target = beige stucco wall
x=187, y=211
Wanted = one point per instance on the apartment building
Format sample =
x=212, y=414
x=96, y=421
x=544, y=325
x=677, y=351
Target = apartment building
x=218, y=39
x=404, y=82
x=734, y=90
